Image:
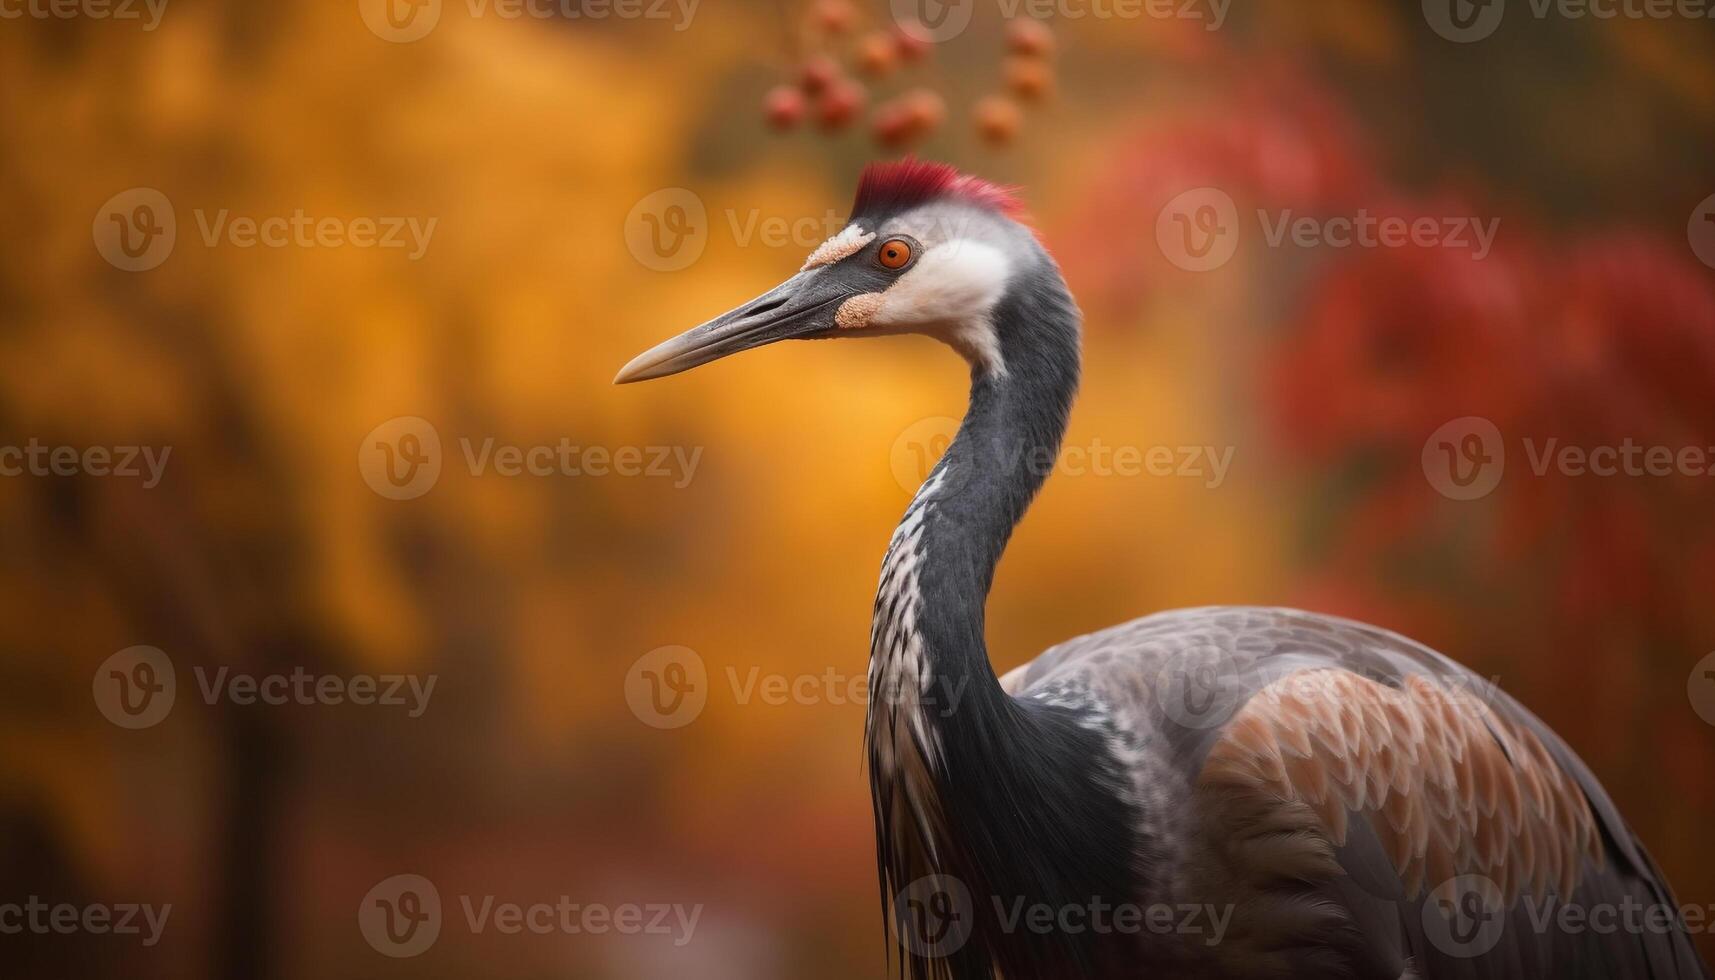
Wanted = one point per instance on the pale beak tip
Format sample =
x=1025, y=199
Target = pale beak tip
x=636, y=370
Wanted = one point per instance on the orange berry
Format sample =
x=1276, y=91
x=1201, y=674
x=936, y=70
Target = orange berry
x=877, y=55
x=1028, y=78
x=891, y=125
x=997, y=120
x=834, y=16
x=840, y=104
x=925, y=108
x=912, y=40
x=1029, y=36
x=817, y=74
x=784, y=107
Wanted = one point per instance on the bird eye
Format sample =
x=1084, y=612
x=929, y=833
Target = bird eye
x=894, y=253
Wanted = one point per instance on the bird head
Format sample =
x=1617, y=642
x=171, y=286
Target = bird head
x=926, y=250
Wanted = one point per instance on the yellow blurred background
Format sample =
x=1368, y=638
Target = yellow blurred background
x=532, y=157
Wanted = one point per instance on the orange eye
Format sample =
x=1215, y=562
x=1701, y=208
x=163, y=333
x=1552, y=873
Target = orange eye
x=894, y=254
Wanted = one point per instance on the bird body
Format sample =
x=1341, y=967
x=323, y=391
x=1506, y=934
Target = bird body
x=1213, y=793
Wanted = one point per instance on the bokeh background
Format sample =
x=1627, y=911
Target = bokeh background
x=540, y=146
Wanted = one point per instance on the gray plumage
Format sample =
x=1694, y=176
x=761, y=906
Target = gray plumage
x=1327, y=799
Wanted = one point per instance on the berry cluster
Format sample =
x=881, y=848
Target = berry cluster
x=824, y=87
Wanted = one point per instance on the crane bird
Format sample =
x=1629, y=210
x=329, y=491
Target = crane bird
x=1270, y=793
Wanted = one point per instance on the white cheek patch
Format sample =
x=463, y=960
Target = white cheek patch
x=950, y=293
x=849, y=241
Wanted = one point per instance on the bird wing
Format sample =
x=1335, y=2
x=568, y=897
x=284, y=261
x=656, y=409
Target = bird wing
x=1453, y=832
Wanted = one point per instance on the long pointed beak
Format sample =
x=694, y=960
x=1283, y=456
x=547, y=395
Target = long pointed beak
x=800, y=306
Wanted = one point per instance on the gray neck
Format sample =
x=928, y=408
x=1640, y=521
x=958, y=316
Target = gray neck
x=958, y=525
x=1013, y=798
